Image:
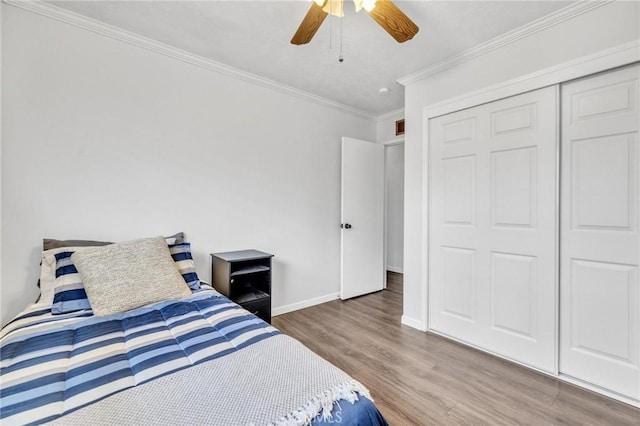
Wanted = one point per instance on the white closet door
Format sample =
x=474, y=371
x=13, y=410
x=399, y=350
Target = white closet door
x=600, y=243
x=492, y=227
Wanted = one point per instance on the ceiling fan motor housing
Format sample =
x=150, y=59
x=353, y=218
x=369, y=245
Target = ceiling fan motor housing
x=384, y=12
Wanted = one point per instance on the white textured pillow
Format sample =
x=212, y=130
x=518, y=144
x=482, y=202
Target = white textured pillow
x=48, y=263
x=124, y=276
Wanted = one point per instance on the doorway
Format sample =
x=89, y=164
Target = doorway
x=394, y=213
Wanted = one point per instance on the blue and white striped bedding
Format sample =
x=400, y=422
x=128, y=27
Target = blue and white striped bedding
x=52, y=365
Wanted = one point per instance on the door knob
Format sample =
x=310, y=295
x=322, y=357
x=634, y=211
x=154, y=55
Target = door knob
x=345, y=225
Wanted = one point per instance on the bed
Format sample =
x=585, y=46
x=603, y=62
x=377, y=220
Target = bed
x=87, y=353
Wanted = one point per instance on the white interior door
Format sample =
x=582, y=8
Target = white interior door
x=600, y=244
x=362, y=261
x=492, y=227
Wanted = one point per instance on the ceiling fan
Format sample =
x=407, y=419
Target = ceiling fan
x=384, y=12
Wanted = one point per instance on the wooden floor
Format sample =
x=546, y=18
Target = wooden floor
x=417, y=378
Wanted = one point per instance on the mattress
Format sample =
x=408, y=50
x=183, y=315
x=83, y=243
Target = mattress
x=201, y=359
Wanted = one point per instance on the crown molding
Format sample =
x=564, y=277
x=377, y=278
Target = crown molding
x=613, y=57
x=554, y=18
x=95, y=26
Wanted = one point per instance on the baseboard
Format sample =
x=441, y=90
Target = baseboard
x=413, y=323
x=394, y=269
x=280, y=310
x=597, y=389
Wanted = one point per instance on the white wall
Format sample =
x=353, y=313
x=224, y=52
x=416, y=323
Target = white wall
x=394, y=207
x=1, y=137
x=610, y=25
x=386, y=126
x=106, y=140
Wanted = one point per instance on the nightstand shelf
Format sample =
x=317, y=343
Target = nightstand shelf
x=245, y=278
x=251, y=294
x=250, y=270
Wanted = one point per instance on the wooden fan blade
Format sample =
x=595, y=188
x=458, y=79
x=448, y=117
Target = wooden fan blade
x=394, y=21
x=309, y=25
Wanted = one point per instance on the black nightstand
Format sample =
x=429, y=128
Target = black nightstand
x=244, y=277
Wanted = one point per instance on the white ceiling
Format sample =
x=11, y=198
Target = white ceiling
x=254, y=36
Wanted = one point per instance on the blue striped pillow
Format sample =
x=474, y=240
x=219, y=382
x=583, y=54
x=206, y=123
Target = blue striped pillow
x=69, y=294
x=181, y=254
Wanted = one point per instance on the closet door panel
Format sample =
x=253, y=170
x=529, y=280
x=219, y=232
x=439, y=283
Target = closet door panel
x=521, y=234
x=600, y=244
x=459, y=190
x=459, y=278
x=513, y=289
x=457, y=236
x=513, y=188
x=597, y=328
x=492, y=267
x=603, y=172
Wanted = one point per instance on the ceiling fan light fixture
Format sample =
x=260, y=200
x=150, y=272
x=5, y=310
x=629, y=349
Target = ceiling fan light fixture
x=333, y=7
x=368, y=5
